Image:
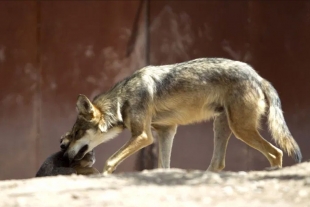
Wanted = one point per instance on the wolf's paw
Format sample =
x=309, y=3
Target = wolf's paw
x=272, y=168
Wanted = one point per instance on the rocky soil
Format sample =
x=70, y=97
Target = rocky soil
x=289, y=186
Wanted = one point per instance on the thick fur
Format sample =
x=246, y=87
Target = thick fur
x=162, y=97
x=57, y=164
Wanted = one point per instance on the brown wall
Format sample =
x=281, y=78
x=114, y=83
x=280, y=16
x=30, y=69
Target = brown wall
x=51, y=51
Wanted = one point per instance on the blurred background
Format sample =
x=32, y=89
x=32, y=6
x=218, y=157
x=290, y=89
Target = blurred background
x=51, y=51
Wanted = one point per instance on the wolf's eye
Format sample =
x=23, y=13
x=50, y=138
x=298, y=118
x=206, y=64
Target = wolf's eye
x=78, y=134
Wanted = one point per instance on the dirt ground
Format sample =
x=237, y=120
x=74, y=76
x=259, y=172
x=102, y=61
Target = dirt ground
x=289, y=186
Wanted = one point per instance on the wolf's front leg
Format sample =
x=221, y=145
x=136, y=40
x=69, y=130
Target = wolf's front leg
x=132, y=146
x=165, y=136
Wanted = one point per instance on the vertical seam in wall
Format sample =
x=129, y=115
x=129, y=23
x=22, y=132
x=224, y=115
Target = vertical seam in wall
x=38, y=84
x=147, y=32
x=248, y=152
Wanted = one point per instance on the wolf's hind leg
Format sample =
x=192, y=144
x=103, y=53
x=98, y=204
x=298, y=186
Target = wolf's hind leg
x=244, y=121
x=165, y=136
x=222, y=134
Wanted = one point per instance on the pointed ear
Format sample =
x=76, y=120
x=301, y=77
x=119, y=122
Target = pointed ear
x=102, y=126
x=84, y=105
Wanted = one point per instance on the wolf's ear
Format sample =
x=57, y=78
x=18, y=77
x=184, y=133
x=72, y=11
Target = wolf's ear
x=84, y=105
x=102, y=126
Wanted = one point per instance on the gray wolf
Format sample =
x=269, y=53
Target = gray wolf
x=159, y=98
x=58, y=164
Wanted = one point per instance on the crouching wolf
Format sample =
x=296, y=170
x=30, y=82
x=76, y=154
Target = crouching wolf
x=162, y=97
x=57, y=164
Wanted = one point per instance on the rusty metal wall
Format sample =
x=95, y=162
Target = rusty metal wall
x=18, y=89
x=51, y=51
x=83, y=51
x=271, y=36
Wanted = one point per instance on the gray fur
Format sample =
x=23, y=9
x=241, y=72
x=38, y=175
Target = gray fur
x=163, y=97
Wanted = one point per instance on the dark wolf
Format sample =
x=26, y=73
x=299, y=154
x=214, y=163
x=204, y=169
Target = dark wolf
x=58, y=164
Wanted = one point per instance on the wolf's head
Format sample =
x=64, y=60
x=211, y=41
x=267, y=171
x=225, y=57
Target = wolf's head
x=87, y=161
x=89, y=130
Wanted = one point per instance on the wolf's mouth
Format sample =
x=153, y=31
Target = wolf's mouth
x=81, y=153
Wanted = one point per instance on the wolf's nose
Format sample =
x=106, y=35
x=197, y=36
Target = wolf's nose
x=63, y=146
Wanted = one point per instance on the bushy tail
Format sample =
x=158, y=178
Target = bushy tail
x=277, y=124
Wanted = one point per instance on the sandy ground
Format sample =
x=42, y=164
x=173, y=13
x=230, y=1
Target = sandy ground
x=289, y=186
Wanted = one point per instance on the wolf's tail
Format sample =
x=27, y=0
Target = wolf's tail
x=277, y=124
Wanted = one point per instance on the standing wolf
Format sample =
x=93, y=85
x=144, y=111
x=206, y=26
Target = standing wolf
x=162, y=97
